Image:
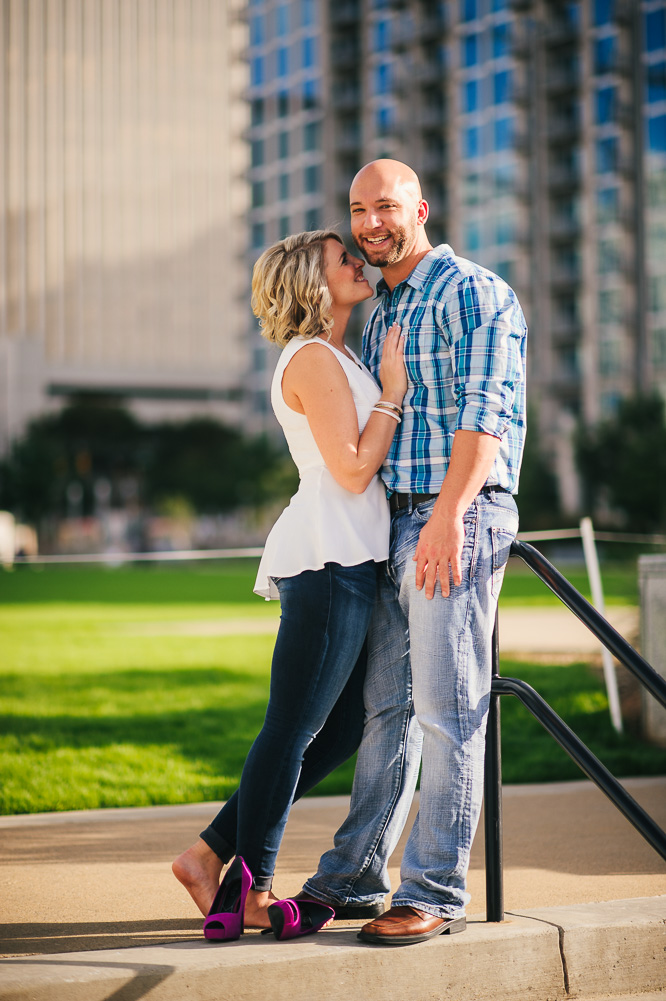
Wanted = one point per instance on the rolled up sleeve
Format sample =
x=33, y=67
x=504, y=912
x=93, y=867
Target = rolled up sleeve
x=485, y=330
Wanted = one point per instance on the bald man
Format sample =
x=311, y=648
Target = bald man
x=451, y=474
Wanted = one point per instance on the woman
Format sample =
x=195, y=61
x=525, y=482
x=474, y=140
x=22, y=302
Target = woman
x=320, y=559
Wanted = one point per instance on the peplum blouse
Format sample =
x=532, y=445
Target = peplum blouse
x=324, y=522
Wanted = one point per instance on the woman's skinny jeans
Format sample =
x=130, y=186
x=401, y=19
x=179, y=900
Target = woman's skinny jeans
x=314, y=719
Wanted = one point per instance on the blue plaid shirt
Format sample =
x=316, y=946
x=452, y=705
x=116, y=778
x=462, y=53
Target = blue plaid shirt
x=465, y=356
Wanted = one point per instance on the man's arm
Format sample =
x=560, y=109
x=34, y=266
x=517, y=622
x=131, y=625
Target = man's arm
x=441, y=540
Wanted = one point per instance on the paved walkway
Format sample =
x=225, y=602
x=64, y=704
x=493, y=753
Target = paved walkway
x=74, y=886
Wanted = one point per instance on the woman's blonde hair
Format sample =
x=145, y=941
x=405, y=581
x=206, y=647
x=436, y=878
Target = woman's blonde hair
x=289, y=290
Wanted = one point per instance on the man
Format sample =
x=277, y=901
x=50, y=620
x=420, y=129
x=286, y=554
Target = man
x=451, y=472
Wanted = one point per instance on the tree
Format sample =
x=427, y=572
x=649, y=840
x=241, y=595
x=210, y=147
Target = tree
x=212, y=467
x=623, y=461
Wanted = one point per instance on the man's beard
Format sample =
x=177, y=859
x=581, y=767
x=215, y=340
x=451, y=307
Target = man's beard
x=384, y=258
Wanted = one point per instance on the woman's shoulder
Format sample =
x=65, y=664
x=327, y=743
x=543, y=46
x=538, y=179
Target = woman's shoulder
x=319, y=352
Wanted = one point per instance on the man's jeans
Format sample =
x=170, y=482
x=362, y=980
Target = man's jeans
x=438, y=702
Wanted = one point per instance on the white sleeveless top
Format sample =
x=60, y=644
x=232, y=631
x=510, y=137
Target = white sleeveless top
x=324, y=522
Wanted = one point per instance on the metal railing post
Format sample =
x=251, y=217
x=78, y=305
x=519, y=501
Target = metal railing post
x=493, y=798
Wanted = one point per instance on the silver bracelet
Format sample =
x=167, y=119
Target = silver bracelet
x=388, y=413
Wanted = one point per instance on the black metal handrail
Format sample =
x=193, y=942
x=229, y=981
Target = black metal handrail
x=558, y=729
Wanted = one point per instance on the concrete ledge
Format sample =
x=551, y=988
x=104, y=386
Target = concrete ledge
x=611, y=948
x=544, y=955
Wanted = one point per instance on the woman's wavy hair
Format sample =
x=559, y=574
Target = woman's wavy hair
x=289, y=290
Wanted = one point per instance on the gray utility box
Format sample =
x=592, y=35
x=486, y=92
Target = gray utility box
x=652, y=582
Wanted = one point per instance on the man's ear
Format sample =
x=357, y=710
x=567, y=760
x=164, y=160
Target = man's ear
x=422, y=213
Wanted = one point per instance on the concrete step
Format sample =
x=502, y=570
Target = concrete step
x=586, y=951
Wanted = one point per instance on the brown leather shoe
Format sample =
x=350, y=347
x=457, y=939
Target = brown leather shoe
x=405, y=925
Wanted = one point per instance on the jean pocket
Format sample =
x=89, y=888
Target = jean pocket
x=501, y=542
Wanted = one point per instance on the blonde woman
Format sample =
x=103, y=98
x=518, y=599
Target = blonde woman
x=320, y=559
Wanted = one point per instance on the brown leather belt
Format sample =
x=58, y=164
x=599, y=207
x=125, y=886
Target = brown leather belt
x=398, y=501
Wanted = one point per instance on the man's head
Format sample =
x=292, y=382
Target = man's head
x=388, y=213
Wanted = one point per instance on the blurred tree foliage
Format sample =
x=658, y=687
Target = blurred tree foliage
x=213, y=467
x=622, y=462
x=538, y=495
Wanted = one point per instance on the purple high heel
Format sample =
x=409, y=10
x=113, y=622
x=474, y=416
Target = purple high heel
x=292, y=918
x=226, y=918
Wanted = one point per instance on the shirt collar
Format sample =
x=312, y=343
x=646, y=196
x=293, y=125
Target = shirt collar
x=419, y=277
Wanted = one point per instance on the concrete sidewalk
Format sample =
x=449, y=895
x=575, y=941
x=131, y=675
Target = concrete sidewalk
x=89, y=910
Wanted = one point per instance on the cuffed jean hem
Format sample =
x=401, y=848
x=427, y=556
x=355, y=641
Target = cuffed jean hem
x=224, y=851
x=262, y=884
x=429, y=908
x=331, y=899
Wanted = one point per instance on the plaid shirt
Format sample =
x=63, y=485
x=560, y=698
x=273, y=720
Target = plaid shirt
x=465, y=357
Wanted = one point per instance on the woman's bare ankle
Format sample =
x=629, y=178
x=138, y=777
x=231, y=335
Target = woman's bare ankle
x=256, y=908
x=198, y=869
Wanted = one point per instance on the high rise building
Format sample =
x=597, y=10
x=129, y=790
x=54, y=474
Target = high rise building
x=122, y=206
x=538, y=128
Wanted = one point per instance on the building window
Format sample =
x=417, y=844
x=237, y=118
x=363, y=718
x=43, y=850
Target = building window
x=610, y=306
x=282, y=66
x=311, y=136
x=311, y=180
x=606, y=105
x=659, y=347
x=282, y=20
x=310, y=94
x=655, y=30
x=469, y=50
x=501, y=40
x=313, y=219
x=608, y=205
x=283, y=227
x=382, y=78
x=608, y=256
x=283, y=145
x=258, y=194
x=384, y=121
x=505, y=178
x=309, y=52
x=381, y=35
x=656, y=83
x=470, y=96
x=610, y=357
x=506, y=269
x=257, y=111
x=308, y=12
x=257, y=71
x=468, y=10
x=283, y=104
x=257, y=36
x=257, y=152
x=656, y=134
x=471, y=142
x=606, y=155
x=258, y=235
x=603, y=11
x=604, y=54
x=502, y=87
x=472, y=236
x=503, y=133
x=283, y=187
x=505, y=229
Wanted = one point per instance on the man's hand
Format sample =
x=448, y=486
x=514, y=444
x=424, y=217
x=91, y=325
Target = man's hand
x=439, y=547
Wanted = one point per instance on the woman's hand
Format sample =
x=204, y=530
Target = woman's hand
x=392, y=372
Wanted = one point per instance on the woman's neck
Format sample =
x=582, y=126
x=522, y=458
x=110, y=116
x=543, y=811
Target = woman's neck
x=336, y=334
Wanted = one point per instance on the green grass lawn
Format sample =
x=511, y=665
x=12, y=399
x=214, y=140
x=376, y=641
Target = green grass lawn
x=106, y=701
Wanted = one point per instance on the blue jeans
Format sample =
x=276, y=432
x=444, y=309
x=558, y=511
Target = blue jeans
x=427, y=690
x=314, y=719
